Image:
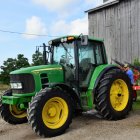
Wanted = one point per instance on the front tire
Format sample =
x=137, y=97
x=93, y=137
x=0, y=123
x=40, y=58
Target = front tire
x=114, y=95
x=50, y=113
x=12, y=113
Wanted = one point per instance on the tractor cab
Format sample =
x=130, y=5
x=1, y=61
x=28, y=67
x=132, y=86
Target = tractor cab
x=78, y=56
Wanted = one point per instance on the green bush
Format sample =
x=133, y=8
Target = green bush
x=136, y=62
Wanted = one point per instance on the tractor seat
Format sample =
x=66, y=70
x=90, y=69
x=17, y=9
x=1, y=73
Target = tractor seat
x=84, y=67
x=85, y=64
x=84, y=73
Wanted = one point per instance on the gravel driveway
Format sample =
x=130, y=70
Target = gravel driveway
x=88, y=126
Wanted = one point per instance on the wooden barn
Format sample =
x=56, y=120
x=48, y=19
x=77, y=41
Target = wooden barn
x=118, y=23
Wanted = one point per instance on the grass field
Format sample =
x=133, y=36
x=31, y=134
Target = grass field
x=136, y=105
x=3, y=87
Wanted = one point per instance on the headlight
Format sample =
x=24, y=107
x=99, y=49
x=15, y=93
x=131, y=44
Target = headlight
x=16, y=85
x=63, y=40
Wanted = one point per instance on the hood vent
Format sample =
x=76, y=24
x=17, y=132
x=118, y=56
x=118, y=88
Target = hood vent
x=44, y=80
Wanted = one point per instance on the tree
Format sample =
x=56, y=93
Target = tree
x=12, y=64
x=37, y=58
x=8, y=66
x=21, y=62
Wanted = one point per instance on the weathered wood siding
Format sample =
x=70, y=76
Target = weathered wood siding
x=119, y=26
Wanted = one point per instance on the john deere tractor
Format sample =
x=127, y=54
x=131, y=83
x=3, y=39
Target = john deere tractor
x=77, y=79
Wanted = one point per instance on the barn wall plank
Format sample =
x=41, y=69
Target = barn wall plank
x=119, y=26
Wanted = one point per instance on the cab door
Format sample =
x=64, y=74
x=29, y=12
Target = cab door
x=90, y=56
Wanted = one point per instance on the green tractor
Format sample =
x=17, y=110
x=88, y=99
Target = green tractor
x=77, y=79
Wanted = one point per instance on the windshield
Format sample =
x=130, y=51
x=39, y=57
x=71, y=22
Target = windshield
x=64, y=54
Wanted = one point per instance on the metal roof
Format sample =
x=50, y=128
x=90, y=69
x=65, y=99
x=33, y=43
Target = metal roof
x=104, y=5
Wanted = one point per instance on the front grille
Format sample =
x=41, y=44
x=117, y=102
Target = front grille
x=27, y=81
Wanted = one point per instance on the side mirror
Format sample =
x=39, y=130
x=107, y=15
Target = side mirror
x=84, y=40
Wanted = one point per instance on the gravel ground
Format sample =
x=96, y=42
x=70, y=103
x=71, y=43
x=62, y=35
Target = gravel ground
x=87, y=126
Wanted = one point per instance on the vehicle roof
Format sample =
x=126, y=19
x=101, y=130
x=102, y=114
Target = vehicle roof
x=77, y=36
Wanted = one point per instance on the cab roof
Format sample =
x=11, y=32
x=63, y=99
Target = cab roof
x=77, y=36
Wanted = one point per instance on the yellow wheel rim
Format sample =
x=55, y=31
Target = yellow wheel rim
x=55, y=112
x=16, y=112
x=119, y=95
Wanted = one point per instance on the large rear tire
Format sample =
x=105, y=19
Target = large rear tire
x=114, y=95
x=50, y=113
x=12, y=113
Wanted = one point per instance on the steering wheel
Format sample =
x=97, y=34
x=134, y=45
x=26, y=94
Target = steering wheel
x=68, y=57
x=63, y=56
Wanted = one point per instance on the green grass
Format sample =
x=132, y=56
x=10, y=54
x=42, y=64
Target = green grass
x=136, y=105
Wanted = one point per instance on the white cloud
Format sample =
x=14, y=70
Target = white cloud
x=34, y=25
x=60, y=27
x=67, y=8
x=77, y=26
x=54, y=5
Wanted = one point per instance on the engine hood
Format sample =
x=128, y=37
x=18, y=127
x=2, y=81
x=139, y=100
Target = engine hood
x=38, y=69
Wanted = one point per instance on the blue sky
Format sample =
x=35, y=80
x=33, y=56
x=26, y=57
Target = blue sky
x=44, y=17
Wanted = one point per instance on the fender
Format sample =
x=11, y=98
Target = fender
x=101, y=75
x=67, y=88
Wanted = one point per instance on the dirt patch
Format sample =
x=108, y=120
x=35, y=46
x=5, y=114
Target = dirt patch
x=87, y=127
